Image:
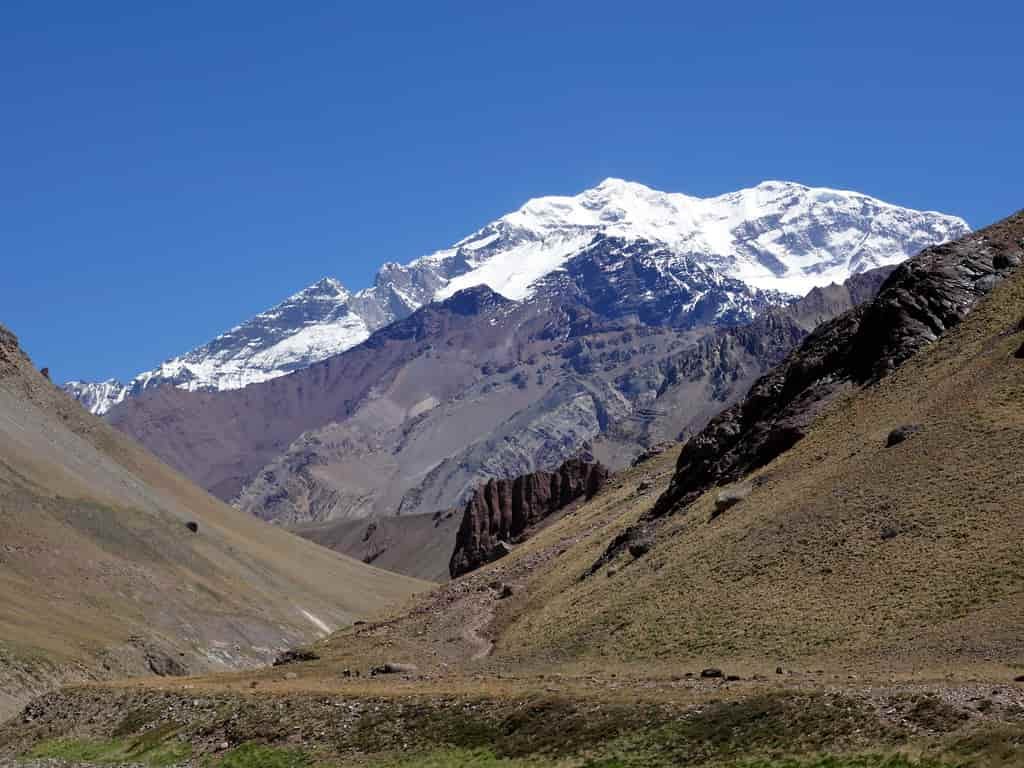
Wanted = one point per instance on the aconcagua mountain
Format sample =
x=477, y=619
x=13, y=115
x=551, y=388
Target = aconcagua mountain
x=729, y=256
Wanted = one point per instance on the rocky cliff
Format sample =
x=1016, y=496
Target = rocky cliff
x=500, y=511
x=921, y=300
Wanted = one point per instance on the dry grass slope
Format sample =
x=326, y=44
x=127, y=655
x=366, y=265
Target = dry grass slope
x=100, y=576
x=847, y=554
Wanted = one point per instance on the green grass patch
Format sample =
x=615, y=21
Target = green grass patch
x=468, y=758
x=260, y=756
x=484, y=758
x=157, y=749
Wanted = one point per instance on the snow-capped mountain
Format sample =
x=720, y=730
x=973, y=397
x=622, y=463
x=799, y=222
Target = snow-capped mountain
x=309, y=326
x=748, y=249
x=97, y=397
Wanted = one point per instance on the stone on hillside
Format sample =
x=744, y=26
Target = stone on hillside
x=501, y=549
x=394, y=668
x=712, y=673
x=900, y=434
x=730, y=497
x=295, y=656
x=1019, y=354
x=639, y=548
x=192, y=526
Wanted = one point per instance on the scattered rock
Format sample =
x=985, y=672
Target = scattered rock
x=732, y=678
x=45, y=372
x=712, y=673
x=612, y=571
x=1019, y=679
x=900, y=434
x=291, y=676
x=644, y=487
x=370, y=530
x=506, y=592
x=295, y=656
x=164, y=666
x=640, y=548
x=1019, y=354
x=1003, y=261
x=730, y=497
x=778, y=670
x=501, y=549
x=888, y=532
x=192, y=526
x=650, y=453
x=392, y=668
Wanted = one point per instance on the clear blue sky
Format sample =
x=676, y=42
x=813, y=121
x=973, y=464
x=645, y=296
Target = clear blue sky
x=169, y=172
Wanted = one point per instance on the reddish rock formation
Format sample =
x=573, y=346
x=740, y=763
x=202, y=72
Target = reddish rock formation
x=502, y=510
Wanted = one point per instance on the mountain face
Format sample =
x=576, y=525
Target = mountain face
x=723, y=257
x=467, y=389
x=310, y=326
x=112, y=564
x=920, y=301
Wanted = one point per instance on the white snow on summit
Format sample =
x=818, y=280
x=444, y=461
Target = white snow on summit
x=778, y=236
x=775, y=236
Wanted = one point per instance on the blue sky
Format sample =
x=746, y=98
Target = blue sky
x=167, y=173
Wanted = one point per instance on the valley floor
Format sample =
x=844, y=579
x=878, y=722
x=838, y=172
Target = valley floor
x=297, y=716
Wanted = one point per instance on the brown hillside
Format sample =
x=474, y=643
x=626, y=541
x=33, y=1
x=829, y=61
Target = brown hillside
x=100, y=575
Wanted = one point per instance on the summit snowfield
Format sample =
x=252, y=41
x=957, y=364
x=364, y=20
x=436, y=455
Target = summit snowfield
x=779, y=239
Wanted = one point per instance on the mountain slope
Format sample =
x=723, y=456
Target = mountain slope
x=100, y=575
x=471, y=388
x=849, y=553
x=776, y=237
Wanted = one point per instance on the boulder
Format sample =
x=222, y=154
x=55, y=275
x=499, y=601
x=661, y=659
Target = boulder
x=730, y=497
x=900, y=434
x=639, y=548
x=712, y=673
x=295, y=656
x=192, y=526
x=394, y=668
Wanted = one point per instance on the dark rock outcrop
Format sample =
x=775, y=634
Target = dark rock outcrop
x=900, y=434
x=501, y=511
x=923, y=298
x=295, y=656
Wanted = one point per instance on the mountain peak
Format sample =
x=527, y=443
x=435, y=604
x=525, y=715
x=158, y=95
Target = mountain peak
x=326, y=286
x=778, y=236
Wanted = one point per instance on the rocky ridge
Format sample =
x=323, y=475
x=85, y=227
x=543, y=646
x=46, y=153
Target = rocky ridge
x=919, y=302
x=501, y=511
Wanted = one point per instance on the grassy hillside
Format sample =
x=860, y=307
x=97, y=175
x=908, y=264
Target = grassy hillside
x=99, y=574
x=847, y=553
